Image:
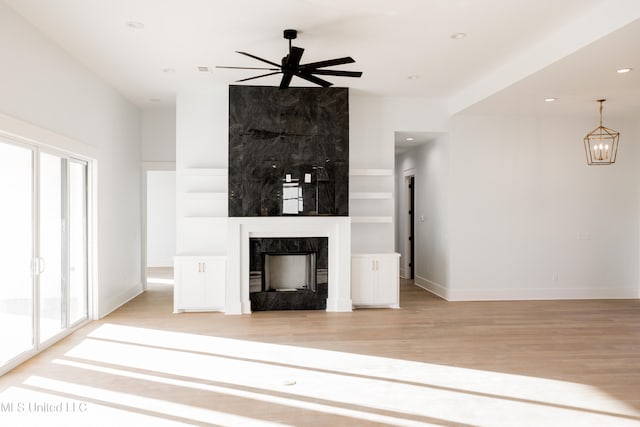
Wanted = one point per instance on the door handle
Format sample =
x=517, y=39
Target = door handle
x=38, y=265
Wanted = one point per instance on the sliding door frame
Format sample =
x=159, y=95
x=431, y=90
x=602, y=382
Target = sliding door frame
x=89, y=224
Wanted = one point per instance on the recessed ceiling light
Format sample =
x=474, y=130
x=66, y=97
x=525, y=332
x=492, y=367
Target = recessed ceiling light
x=623, y=70
x=409, y=139
x=414, y=77
x=458, y=36
x=168, y=70
x=135, y=25
x=154, y=99
x=204, y=69
x=550, y=99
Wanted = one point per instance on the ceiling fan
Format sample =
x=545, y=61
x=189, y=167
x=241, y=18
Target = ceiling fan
x=291, y=66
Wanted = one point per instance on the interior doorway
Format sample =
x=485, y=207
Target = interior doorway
x=159, y=229
x=408, y=234
x=412, y=228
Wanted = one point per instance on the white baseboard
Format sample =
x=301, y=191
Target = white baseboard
x=524, y=294
x=540, y=294
x=120, y=300
x=433, y=287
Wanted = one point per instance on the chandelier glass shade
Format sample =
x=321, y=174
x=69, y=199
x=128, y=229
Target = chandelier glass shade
x=601, y=144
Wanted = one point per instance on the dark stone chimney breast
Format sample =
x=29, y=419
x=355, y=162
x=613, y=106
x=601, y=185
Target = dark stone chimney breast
x=288, y=151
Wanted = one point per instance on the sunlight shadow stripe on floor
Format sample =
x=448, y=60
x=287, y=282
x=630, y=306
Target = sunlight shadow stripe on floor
x=420, y=401
x=156, y=407
x=534, y=389
x=280, y=398
x=380, y=378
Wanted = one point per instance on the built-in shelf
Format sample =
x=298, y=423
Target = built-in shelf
x=205, y=171
x=207, y=218
x=371, y=219
x=371, y=172
x=367, y=206
x=206, y=195
x=370, y=195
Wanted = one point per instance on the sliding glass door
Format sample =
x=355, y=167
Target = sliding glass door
x=43, y=224
x=62, y=243
x=16, y=250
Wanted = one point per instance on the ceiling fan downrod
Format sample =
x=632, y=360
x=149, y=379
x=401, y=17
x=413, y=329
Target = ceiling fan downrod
x=290, y=35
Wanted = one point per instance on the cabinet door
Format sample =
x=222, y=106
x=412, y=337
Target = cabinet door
x=387, y=281
x=189, y=279
x=362, y=281
x=214, y=276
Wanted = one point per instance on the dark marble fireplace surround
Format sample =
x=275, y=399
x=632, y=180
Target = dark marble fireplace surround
x=262, y=300
x=288, y=156
x=296, y=138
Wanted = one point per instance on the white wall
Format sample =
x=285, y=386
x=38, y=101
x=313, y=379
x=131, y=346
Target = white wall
x=530, y=219
x=159, y=135
x=429, y=163
x=43, y=86
x=161, y=218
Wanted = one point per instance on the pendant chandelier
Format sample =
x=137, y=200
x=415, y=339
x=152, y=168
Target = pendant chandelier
x=601, y=144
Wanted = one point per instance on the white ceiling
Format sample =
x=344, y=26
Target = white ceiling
x=517, y=52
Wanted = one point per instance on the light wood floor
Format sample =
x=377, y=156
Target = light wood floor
x=431, y=362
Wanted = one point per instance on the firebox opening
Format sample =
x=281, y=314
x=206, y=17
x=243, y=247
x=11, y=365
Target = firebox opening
x=289, y=272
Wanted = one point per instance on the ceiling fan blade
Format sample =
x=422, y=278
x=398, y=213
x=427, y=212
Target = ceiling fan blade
x=257, y=77
x=336, y=73
x=248, y=68
x=258, y=58
x=290, y=65
x=328, y=63
x=294, y=57
x=313, y=79
x=286, y=80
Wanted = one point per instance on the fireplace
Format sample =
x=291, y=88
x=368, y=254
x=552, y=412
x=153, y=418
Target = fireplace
x=288, y=178
x=241, y=275
x=288, y=273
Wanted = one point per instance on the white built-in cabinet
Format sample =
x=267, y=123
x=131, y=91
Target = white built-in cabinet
x=375, y=280
x=199, y=283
